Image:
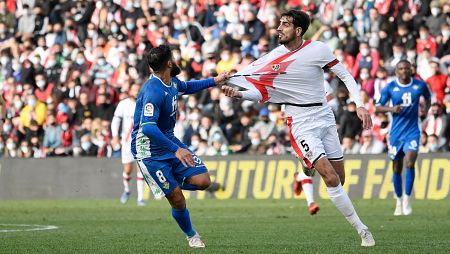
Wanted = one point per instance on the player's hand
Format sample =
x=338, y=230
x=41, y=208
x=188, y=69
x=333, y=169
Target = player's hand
x=231, y=92
x=397, y=109
x=364, y=115
x=115, y=142
x=221, y=78
x=185, y=156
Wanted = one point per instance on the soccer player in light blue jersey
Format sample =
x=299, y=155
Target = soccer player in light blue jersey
x=168, y=166
x=404, y=135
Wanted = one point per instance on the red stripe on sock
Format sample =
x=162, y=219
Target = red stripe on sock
x=140, y=179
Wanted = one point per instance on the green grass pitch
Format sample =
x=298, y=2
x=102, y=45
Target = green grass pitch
x=229, y=226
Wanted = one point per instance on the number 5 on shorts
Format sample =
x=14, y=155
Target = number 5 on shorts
x=160, y=176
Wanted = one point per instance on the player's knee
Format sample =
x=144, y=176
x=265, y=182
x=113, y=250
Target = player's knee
x=410, y=165
x=331, y=180
x=176, y=199
x=203, y=183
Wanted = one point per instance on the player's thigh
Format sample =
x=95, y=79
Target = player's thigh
x=197, y=175
x=159, y=176
x=410, y=149
x=307, y=144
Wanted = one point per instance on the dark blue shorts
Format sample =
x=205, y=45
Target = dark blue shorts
x=163, y=176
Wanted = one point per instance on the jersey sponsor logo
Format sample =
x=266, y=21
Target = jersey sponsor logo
x=148, y=109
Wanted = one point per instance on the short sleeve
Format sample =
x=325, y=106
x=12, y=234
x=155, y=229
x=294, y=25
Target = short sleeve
x=384, y=97
x=151, y=103
x=327, y=59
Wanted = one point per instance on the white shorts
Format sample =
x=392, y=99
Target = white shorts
x=127, y=156
x=314, y=137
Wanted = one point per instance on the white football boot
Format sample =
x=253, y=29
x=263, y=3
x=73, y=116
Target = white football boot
x=366, y=238
x=196, y=242
x=398, y=208
x=407, y=210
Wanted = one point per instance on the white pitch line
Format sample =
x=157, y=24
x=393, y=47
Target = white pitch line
x=35, y=227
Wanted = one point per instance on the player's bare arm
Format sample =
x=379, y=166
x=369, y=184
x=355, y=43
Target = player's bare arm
x=384, y=109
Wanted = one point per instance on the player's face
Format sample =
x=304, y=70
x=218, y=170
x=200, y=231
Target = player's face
x=286, y=30
x=403, y=71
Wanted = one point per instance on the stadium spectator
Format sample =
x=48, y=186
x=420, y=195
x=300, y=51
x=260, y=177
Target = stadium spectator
x=437, y=82
x=74, y=52
x=369, y=144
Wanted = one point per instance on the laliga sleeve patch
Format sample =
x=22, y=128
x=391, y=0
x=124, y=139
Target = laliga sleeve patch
x=148, y=109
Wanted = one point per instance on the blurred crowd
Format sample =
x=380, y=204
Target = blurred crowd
x=64, y=66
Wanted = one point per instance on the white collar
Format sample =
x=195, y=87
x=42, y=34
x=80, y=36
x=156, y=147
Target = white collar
x=161, y=80
x=402, y=85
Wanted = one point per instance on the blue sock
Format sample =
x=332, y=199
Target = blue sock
x=409, y=181
x=184, y=221
x=188, y=186
x=397, y=180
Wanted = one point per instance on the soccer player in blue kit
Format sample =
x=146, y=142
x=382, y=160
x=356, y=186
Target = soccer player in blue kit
x=167, y=164
x=404, y=135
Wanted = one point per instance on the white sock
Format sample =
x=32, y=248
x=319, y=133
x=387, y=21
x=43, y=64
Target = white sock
x=307, y=186
x=140, y=186
x=345, y=206
x=126, y=182
x=399, y=200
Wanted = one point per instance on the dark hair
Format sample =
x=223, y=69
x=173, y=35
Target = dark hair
x=158, y=57
x=299, y=19
x=402, y=61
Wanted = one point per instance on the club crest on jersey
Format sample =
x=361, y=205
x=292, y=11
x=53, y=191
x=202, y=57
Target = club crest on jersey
x=415, y=87
x=276, y=67
x=396, y=89
x=148, y=109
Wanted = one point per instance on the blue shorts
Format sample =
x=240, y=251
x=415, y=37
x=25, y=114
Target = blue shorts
x=163, y=176
x=398, y=148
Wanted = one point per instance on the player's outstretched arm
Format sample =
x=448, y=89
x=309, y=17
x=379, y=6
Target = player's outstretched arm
x=195, y=86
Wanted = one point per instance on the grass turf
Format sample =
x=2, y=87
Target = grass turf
x=230, y=226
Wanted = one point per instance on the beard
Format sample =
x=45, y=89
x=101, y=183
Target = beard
x=175, y=70
x=286, y=39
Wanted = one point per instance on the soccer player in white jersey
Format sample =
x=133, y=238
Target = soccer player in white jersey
x=311, y=121
x=123, y=122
